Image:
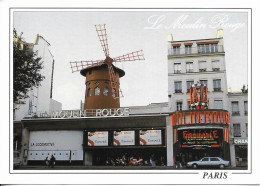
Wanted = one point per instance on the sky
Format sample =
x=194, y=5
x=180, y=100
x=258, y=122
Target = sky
x=73, y=37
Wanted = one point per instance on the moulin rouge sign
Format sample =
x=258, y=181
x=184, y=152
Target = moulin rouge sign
x=200, y=117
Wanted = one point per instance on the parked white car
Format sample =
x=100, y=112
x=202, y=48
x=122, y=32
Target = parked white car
x=209, y=162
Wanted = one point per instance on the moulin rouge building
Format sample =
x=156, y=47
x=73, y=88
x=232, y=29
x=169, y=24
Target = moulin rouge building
x=196, y=122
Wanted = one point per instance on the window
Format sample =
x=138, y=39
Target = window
x=235, y=108
x=179, y=106
x=245, y=107
x=202, y=66
x=177, y=68
x=106, y=91
x=237, y=130
x=178, y=87
x=188, y=105
x=217, y=85
x=207, y=48
x=246, y=130
x=218, y=104
x=189, y=84
x=176, y=50
x=89, y=92
x=114, y=92
x=215, y=65
x=97, y=91
x=189, y=67
x=205, y=159
x=204, y=82
x=188, y=49
x=214, y=159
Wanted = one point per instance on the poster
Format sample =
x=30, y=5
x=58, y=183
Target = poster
x=150, y=137
x=98, y=138
x=124, y=138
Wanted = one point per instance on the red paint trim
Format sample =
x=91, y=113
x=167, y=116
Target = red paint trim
x=204, y=43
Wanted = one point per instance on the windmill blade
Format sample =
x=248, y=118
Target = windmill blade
x=134, y=56
x=79, y=65
x=114, y=81
x=102, y=35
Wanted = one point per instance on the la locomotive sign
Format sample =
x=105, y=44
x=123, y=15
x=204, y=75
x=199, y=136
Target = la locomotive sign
x=200, y=117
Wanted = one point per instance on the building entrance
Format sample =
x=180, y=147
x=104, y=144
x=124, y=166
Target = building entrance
x=104, y=156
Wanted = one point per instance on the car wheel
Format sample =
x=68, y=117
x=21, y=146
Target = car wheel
x=194, y=166
x=221, y=166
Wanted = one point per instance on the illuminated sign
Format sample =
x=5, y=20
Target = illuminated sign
x=150, y=137
x=98, y=138
x=200, y=137
x=200, y=117
x=124, y=138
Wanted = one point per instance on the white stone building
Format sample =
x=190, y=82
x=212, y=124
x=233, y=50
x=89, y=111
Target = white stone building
x=40, y=100
x=203, y=61
x=238, y=109
x=193, y=61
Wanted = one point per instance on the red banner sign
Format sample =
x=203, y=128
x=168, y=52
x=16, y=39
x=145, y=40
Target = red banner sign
x=200, y=117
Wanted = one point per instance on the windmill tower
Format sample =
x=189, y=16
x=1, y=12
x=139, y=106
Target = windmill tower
x=102, y=77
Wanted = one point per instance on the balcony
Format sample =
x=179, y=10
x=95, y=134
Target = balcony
x=235, y=113
x=215, y=69
x=195, y=50
x=217, y=89
x=178, y=91
x=202, y=69
x=177, y=71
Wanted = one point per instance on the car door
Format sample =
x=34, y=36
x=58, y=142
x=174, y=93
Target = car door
x=204, y=162
x=214, y=161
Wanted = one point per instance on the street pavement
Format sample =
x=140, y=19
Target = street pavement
x=118, y=168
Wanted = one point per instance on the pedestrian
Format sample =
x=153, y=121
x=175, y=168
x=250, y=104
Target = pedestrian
x=152, y=160
x=178, y=161
x=46, y=161
x=52, y=161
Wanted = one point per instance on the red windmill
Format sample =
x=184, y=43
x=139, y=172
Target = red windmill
x=102, y=77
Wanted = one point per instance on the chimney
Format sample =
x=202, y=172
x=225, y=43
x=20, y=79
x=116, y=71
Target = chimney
x=170, y=39
x=220, y=33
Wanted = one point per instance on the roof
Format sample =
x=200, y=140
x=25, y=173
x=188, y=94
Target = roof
x=84, y=71
x=195, y=40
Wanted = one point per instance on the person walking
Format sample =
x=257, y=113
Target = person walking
x=46, y=161
x=152, y=160
x=52, y=161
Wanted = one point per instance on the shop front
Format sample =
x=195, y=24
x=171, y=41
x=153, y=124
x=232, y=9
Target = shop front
x=241, y=152
x=106, y=146
x=93, y=141
x=200, y=133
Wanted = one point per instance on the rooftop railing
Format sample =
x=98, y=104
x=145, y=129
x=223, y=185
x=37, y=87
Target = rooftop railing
x=177, y=51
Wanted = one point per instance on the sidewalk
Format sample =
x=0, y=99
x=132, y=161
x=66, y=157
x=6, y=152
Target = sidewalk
x=118, y=168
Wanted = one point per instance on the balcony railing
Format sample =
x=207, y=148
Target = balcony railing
x=195, y=50
x=217, y=89
x=178, y=91
x=235, y=113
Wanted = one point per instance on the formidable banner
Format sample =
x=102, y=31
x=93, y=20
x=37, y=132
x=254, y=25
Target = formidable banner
x=124, y=138
x=200, y=137
x=200, y=117
x=98, y=138
x=150, y=137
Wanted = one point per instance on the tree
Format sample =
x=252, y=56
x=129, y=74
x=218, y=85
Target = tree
x=26, y=69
